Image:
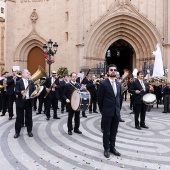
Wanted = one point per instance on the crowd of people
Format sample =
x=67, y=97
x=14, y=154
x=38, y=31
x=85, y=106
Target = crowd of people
x=105, y=92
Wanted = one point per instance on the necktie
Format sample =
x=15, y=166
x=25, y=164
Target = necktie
x=143, y=86
x=114, y=87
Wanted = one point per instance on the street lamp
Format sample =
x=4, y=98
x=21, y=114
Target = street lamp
x=49, y=52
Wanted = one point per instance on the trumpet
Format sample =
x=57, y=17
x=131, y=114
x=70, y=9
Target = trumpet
x=19, y=74
x=97, y=81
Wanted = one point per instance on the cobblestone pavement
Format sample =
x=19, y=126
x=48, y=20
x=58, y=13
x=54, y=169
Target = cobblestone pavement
x=52, y=148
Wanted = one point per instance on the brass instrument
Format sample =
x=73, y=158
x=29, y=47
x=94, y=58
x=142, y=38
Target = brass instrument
x=4, y=84
x=37, y=75
x=124, y=85
x=19, y=74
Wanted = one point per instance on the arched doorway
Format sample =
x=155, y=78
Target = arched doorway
x=120, y=53
x=35, y=59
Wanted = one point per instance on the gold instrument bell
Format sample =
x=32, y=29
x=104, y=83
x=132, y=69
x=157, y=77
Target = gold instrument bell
x=37, y=75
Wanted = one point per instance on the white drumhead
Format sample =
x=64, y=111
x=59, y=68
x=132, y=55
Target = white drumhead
x=149, y=98
x=75, y=100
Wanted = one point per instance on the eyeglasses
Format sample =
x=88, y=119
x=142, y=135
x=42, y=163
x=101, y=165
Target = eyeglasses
x=112, y=70
x=53, y=73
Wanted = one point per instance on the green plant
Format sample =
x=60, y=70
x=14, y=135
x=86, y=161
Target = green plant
x=60, y=71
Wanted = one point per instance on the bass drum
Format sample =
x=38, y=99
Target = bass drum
x=149, y=99
x=80, y=100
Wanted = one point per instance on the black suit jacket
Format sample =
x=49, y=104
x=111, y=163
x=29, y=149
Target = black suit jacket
x=47, y=84
x=91, y=88
x=137, y=86
x=20, y=87
x=11, y=85
x=109, y=104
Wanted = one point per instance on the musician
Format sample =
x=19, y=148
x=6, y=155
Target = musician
x=83, y=82
x=157, y=92
x=92, y=88
x=24, y=104
x=109, y=96
x=69, y=88
x=166, y=98
x=121, y=101
x=53, y=95
x=138, y=88
x=4, y=93
x=63, y=83
x=11, y=82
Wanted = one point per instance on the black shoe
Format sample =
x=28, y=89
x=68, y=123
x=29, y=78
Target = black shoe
x=38, y=113
x=132, y=113
x=130, y=108
x=115, y=152
x=47, y=118
x=162, y=112
x=69, y=133
x=106, y=153
x=95, y=112
x=30, y=134
x=62, y=111
x=3, y=115
x=16, y=135
x=58, y=108
x=78, y=131
x=90, y=111
x=85, y=116
x=121, y=120
x=144, y=126
x=138, y=127
x=10, y=118
x=56, y=117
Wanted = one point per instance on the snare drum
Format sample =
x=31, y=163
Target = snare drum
x=80, y=100
x=149, y=99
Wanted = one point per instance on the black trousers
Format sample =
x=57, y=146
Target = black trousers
x=27, y=108
x=0, y=101
x=76, y=115
x=41, y=102
x=110, y=126
x=140, y=109
x=166, y=100
x=93, y=103
x=51, y=100
x=63, y=104
x=11, y=99
x=4, y=103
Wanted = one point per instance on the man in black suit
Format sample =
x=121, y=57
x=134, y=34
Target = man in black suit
x=138, y=88
x=4, y=96
x=69, y=88
x=109, y=96
x=11, y=82
x=24, y=104
x=166, y=98
x=53, y=95
x=63, y=83
x=82, y=82
x=92, y=88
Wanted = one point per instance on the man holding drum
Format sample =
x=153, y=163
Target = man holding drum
x=69, y=88
x=138, y=88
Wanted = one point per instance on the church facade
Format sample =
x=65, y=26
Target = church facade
x=86, y=31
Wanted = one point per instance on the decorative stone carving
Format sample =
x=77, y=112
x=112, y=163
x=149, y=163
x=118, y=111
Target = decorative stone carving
x=34, y=16
x=122, y=3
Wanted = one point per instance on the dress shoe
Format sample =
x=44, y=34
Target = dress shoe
x=77, y=131
x=47, y=118
x=115, y=152
x=62, y=111
x=130, y=108
x=10, y=118
x=30, y=134
x=3, y=115
x=132, y=113
x=90, y=111
x=121, y=120
x=144, y=126
x=38, y=113
x=138, y=127
x=95, y=112
x=16, y=135
x=162, y=112
x=56, y=117
x=69, y=133
x=85, y=116
x=106, y=153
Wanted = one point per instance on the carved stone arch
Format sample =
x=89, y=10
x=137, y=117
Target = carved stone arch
x=127, y=24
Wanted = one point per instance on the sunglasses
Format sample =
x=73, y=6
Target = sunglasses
x=53, y=73
x=112, y=70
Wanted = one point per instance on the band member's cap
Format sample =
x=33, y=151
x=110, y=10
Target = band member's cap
x=54, y=72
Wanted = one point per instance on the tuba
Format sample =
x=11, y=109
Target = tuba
x=124, y=84
x=37, y=75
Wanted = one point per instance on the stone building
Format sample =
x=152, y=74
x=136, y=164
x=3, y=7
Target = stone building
x=124, y=32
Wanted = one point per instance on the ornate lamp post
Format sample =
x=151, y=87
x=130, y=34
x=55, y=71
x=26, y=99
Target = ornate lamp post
x=49, y=52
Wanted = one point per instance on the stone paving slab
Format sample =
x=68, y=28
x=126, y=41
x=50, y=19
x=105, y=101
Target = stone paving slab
x=52, y=148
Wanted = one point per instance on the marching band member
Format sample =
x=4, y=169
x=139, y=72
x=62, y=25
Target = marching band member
x=109, y=96
x=24, y=87
x=69, y=88
x=138, y=88
x=53, y=95
x=4, y=93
